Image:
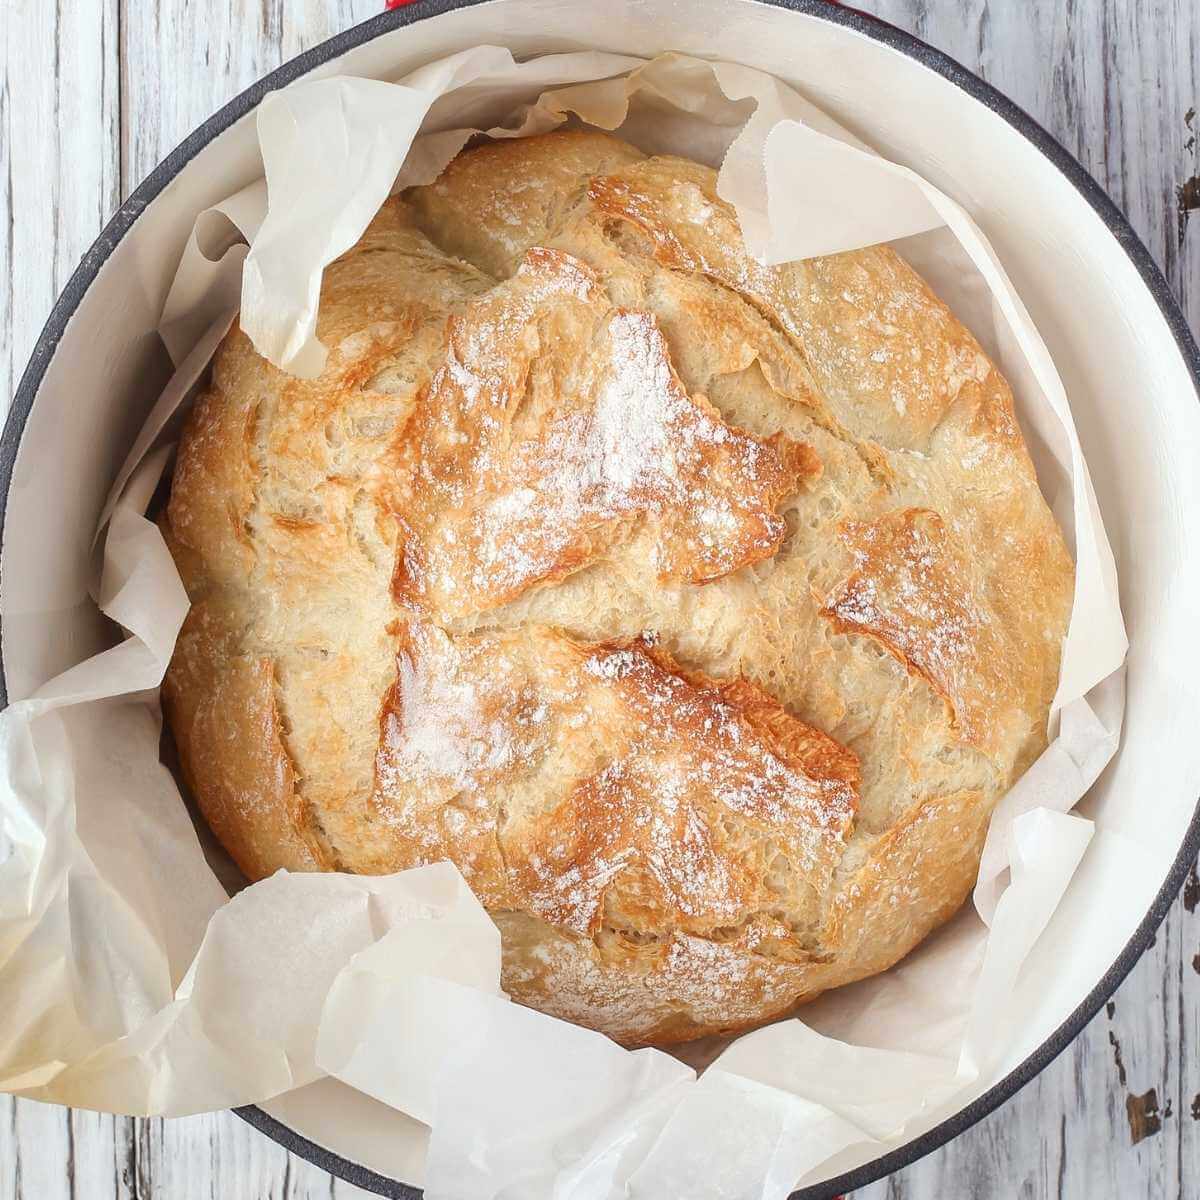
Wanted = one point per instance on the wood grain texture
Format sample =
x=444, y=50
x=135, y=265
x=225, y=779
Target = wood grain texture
x=95, y=92
x=59, y=125
x=181, y=60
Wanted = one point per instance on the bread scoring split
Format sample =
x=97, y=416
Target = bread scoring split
x=699, y=611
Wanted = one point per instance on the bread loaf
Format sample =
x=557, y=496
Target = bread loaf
x=699, y=611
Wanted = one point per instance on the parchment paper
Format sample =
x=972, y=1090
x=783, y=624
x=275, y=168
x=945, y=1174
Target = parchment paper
x=129, y=982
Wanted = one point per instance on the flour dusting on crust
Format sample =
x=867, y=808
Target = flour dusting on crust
x=519, y=468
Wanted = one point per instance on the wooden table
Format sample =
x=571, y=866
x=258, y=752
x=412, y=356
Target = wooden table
x=95, y=92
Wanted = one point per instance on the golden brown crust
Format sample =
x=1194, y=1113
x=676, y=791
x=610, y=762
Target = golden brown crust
x=913, y=591
x=601, y=734
x=490, y=206
x=223, y=713
x=914, y=878
x=555, y=427
x=700, y=611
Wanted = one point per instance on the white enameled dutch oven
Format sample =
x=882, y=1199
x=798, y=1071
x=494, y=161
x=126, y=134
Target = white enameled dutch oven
x=1120, y=343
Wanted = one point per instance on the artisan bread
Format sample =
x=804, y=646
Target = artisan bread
x=699, y=611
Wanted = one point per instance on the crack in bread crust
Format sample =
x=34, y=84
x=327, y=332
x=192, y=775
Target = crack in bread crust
x=557, y=427
x=637, y=792
x=699, y=611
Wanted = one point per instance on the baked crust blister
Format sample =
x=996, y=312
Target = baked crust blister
x=699, y=611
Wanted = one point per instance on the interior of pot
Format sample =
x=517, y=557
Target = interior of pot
x=1111, y=339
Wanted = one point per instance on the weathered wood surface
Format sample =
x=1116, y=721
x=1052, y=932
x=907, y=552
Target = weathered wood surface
x=94, y=92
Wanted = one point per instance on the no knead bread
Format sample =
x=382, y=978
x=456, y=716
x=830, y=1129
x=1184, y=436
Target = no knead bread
x=699, y=611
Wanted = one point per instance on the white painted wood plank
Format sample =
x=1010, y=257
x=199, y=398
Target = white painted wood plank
x=181, y=61
x=219, y=1156
x=58, y=137
x=39, y=1167
x=1111, y=78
